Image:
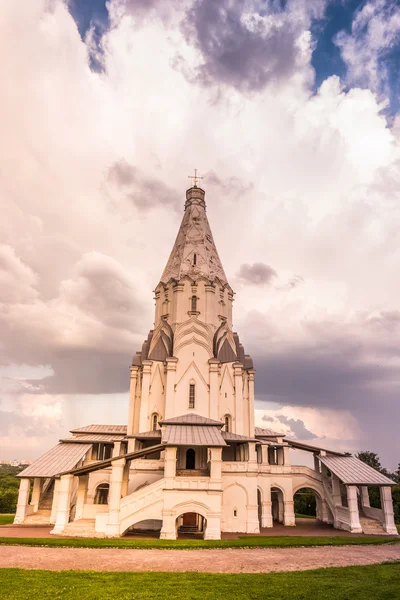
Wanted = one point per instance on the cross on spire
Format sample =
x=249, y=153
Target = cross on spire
x=195, y=178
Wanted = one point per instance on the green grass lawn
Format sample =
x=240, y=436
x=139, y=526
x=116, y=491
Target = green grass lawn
x=380, y=582
x=6, y=519
x=304, y=516
x=241, y=542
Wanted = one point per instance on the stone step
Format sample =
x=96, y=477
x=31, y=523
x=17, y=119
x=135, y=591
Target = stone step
x=39, y=517
x=371, y=526
x=81, y=528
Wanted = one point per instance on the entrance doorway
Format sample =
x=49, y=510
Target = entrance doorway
x=190, y=459
x=191, y=525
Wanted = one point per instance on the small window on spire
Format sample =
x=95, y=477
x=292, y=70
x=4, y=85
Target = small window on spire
x=155, y=421
x=191, y=395
x=194, y=259
x=194, y=304
x=227, y=423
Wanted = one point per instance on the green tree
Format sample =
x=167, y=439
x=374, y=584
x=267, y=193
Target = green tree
x=371, y=459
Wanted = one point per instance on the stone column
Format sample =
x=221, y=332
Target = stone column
x=289, y=519
x=132, y=399
x=170, y=387
x=336, y=494
x=387, y=507
x=81, y=496
x=364, y=496
x=144, y=406
x=352, y=503
x=316, y=464
x=168, y=529
x=54, y=505
x=238, y=378
x=116, y=449
x=170, y=467
x=264, y=454
x=215, y=469
x=64, y=501
x=114, y=497
x=286, y=455
x=23, y=499
x=37, y=486
x=213, y=527
x=214, y=388
x=125, y=480
x=281, y=508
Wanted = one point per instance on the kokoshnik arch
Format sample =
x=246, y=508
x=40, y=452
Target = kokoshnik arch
x=189, y=457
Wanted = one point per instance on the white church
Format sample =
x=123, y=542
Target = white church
x=190, y=460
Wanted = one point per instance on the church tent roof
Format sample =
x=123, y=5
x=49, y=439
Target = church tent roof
x=191, y=419
x=192, y=435
x=351, y=470
x=59, y=459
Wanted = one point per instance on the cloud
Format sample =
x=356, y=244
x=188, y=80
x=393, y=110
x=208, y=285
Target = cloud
x=143, y=190
x=297, y=427
x=375, y=33
x=256, y=274
x=249, y=44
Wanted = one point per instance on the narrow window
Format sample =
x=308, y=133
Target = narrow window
x=194, y=303
x=155, y=421
x=235, y=513
x=194, y=259
x=191, y=395
x=227, y=424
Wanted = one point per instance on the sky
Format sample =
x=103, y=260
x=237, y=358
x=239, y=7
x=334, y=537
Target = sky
x=290, y=111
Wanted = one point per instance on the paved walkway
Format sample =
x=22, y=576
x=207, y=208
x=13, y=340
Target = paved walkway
x=264, y=560
x=303, y=527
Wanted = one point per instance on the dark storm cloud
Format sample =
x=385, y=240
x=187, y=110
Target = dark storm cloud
x=144, y=191
x=296, y=425
x=257, y=274
x=236, y=45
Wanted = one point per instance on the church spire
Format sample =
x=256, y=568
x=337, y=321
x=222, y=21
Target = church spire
x=194, y=252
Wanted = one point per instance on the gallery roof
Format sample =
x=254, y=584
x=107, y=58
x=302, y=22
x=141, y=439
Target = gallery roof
x=115, y=429
x=59, y=459
x=351, y=470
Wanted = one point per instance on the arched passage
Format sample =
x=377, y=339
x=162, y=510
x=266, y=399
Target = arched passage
x=310, y=504
x=277, y=506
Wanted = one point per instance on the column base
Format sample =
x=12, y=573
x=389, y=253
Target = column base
x=18, y=520
x=391, y=530
x=212, y=535
x=58, y=529
x=167, y=535
x=112, y=530
x=266, y=522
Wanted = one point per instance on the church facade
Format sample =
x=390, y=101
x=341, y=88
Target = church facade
x=190, y=459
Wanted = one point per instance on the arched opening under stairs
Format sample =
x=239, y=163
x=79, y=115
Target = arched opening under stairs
x=277, y=505
x=190, y=459
x=191, y=525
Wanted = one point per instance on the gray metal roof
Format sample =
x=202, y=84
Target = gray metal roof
x=229, y=436
x=261, y=432
x=191, y=419
x=92, y=438
x=146, y=435
x=115, y=429
x=59, y=459
x=192, y=435
x=351, y=470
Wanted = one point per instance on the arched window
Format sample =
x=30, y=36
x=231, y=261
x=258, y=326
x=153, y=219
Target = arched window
x=227, y=423
x=101, y=496
x=194, y=304
x=154, y=421
x=190, y=458
x=192, y=395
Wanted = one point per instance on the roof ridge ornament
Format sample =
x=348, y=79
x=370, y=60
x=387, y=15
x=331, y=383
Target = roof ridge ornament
x=195, y=178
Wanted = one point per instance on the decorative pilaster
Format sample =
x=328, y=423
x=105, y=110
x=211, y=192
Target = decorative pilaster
x=238, y=377
x=387, y=507
x=352, y=503
x=251, y=401
x=116, y=449
x=169, y=466
x=144, y=407
x=213, y=527
x=23, y=499
x=64, y=503
x=214, y=388
x=114, y=498
x=132, y=399
x=170, y=387
x=216, y=469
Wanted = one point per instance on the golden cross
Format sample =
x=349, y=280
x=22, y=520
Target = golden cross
x=195, y=178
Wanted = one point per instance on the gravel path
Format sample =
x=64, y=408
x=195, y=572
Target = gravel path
x=234, y=560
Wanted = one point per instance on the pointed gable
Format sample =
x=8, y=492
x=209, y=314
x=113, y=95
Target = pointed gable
x=194, y=252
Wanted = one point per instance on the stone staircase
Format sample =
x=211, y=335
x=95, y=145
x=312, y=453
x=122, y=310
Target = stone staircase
x=81, y=528
x=371, y=526
x=41, y=517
